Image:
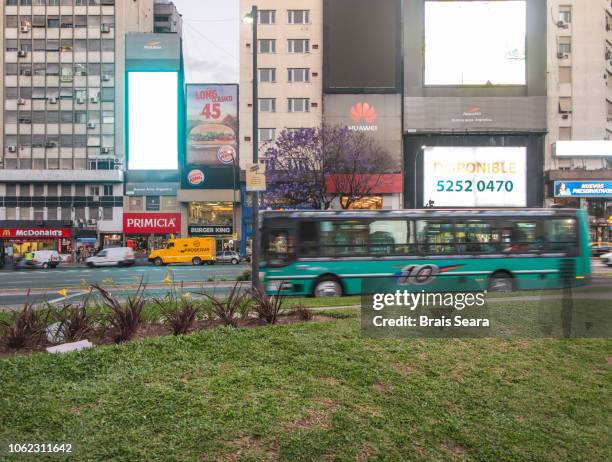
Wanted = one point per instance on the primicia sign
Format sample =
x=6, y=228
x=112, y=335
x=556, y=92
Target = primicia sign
x=151, y=223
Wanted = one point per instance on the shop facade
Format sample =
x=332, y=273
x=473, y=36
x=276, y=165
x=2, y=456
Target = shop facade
x=145, y=232
x=17, y=238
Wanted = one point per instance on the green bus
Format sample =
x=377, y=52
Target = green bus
x=329, y=253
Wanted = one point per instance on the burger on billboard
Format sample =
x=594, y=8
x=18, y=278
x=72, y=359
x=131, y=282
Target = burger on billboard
x=212, y=136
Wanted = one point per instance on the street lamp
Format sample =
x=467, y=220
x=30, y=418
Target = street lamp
x=251, y=18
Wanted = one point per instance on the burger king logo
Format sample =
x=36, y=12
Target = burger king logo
x=195, y=177
x=226, y=154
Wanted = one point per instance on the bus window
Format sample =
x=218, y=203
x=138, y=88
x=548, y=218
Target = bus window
x=562, y=235
x=476, y=237
x=279, y=247
x=435, y=237
x=344, y=237
x=524, y=237
x=308, y=238
x=390, y=237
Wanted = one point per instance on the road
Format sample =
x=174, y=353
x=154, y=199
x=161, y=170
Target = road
x=44, y=284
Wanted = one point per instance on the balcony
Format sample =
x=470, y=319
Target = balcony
x=73, y=176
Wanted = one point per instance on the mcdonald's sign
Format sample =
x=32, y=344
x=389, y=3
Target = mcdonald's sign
x=35, y=233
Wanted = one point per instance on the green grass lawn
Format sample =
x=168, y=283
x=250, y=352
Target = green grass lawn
x=315, y=391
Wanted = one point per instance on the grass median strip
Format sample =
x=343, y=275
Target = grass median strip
x=316, y=391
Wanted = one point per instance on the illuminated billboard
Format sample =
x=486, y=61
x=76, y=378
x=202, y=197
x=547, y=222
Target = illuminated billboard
x=475, y=42
x=153, y=113
x=475, y=176
x=211, y=157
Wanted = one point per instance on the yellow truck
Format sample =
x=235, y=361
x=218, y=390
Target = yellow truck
x=194, y=250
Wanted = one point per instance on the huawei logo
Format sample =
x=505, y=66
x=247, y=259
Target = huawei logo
x=363, y=112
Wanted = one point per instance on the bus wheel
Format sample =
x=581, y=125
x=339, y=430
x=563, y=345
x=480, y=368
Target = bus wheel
x=158, y=261
x=501, y=281
x=327, y=286
x=197, y=261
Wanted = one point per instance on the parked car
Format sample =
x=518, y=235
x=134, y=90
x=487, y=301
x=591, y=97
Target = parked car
x=599, y=248
x=228, y=257
x=113, y=256
x=40, y=259
x=606, y=258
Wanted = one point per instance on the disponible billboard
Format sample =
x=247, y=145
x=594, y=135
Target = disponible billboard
x=475, y=176
x=475, y=42
x=153, y=120
x=212, y=137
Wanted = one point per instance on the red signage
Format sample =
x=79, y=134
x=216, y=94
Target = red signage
x=35, y=233
x=151, y=223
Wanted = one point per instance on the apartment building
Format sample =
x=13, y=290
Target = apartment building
x=290, y=61
x=61, y=103
x=166, y=18
x=579, y=143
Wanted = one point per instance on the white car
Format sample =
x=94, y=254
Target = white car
x=46, y=259
x=606, y=258
x=113, y=256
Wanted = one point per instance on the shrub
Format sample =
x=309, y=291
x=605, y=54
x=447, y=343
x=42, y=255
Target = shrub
x=229, y=309
x=267, y=308
x=124, y=318
x=26, y=328
x=244, y=276
x=74, y=322
x=303, y=313
x=179, y=313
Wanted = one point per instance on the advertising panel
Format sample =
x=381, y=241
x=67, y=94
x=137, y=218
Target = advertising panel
x=487, y=47
x=474, y=176
x=151, y=223
x=256, y=177
x=590, y=148
x=35, y=233
x=210, y=230
x=363, y=48
x=583, y=188
x=212, y=137
x=153, y=106
x=379, y=116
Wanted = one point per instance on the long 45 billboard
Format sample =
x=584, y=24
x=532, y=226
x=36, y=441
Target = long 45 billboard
x=211, y=157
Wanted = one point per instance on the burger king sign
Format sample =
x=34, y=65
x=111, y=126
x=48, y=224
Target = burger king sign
x=195, y=177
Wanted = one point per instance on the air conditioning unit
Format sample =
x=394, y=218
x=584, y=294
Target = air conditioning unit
x=52, y=100
x=91, y=125
x=562, y=24
x=25, y=29
x=80, y=100
x=51, y=144
x=12, y=148
x=562, y=55
x=104, y=150
x=93, y=100
x=22, y=53
x=106, y=78
x=105, y=28
x=565, y=116
x=92, y=221
x=21, y=102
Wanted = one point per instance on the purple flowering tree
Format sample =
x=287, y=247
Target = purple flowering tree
x=314, y=166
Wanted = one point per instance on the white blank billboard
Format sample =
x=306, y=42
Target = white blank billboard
x=475, y=176
x=475, y=42
x=153, y=120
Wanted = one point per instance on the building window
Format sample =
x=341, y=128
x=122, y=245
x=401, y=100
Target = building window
x=298, y=45
x=24, y=190
x=565, y=74
x=298, y=16
x=299, y=75
x=266, y=16
x=66, y=190
x=211, y=213
x=267, y=45
x=39, y=190
x=66, y=214
x=152, y=203
x=266, y=75
x=108, y=190
x=39, y=214
x=135, y=204
x=53, y=22
x=267, y=104
x=11, y=213
x=169, y=203
x=79, y=213
x=11, y=190
x=107, y=213
x=52, y=213
x=266, y=134
x=564, y=45
x=565, y=14
x=565, y=133
x=298, y=104
x=11, y=21
x=565, y=105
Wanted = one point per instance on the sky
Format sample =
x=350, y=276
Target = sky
x=210, y=40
